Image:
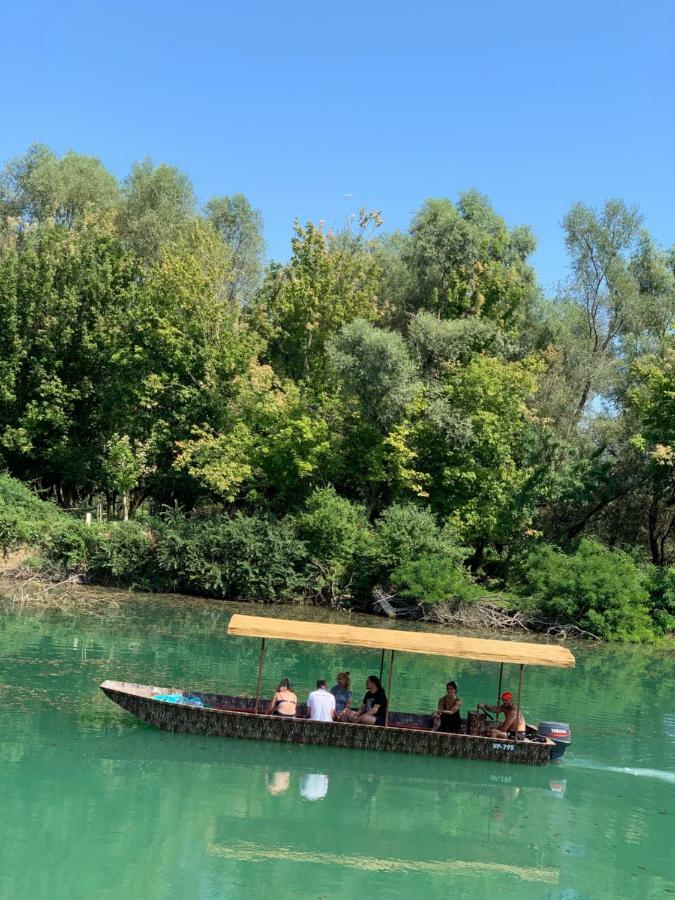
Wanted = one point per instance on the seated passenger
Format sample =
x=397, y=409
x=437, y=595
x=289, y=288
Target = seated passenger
x=447, y=717
x=284, y=703
x=321, y=703
x=514, y=721
x=341, y=692
x=373, y=710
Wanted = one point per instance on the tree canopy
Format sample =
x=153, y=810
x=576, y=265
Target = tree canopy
x=151, y=358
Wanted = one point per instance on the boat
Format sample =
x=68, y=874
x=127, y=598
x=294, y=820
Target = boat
x=234, y=716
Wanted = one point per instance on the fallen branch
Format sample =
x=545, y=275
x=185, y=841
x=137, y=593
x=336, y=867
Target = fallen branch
x=484, y=614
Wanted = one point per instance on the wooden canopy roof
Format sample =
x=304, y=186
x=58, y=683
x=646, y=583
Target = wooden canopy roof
x=406, y=641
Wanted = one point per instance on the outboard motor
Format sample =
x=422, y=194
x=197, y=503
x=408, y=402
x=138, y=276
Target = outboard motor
x=559, y=733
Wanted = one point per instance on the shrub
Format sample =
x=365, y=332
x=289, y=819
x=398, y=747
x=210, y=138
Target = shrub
x=66, y=543
x=601, y=590
x=336, y=533
x=246, y=557
x=404, y=532
x=661, y=586
x=435, y=579
x=121, y=553
x=23, y=516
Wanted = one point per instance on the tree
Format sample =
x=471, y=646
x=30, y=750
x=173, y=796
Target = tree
x=240, y=226
x=603, y=286
x=329, y=281
x=157, y=202
x=123, y=468
x=479, y=445
x=39, y=185
x=464, y=261
x=62, y=295
x=377, y=383
x=653, y=401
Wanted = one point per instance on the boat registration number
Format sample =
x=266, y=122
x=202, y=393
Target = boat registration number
x=504, y=747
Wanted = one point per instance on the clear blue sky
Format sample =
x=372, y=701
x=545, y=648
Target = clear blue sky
x=297, y=104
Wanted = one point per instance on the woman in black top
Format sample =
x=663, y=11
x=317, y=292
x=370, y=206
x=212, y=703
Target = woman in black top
x=447, y=717
x=373, y=710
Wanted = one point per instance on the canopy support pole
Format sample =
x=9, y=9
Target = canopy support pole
x=391, y=672
x=499, y=689
x=260, y=665
x=381, y=664
x=520, y=685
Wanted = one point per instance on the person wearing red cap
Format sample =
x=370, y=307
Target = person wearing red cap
x=514, y=721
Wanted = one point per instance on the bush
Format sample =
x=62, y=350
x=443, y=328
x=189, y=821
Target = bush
x=435, y=579
x=336, y=534
x=404, y=532
x=661, y=587
x=246, y=557
x=600, y=590
x=23, y=516
x=121, y=553
x=66, y=542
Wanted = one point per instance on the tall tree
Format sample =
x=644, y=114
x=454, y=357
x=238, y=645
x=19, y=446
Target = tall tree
x=157, y=202
x=331, y=279
x=240, y=226
x=464, y=260
x=39, y=185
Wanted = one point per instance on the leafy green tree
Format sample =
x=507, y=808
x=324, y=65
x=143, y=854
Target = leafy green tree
x=270, y=448
x=378, y=385
x=39, y=186
x=62, y=294
x=123, y=468
x=478, y=442
x=329, y=281
x=337, y=535
x=240, y=226
x=157, y=203
x=464, y=260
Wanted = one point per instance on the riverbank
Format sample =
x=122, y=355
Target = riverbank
x=404, y=563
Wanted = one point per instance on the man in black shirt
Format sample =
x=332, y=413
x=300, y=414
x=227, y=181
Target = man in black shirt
x=373, y=710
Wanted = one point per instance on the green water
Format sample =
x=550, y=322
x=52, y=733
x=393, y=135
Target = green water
x=96, y=805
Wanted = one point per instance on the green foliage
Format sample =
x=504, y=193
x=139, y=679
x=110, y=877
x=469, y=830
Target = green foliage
x=157, y=202
x=601, y=590
x=240, y=226
x=121, y=553
x=466, y=261
x=435, y=579
x=39, y=186
x=23, y=516
x=147, y=361
x=329, y=281
x=661, y=586
x=246, y=557
x=374, y=369
x=336, y=534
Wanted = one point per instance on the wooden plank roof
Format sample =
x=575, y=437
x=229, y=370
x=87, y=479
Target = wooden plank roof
x=406, y=641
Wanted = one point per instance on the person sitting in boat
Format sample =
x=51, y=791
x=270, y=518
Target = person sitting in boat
x=284, y=703
x=373, y=710
x=514, y=721
x=342, y=693
x=447, y=717
x=321, y=703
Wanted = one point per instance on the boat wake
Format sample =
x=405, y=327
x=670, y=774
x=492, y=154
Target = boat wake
x=658, y=774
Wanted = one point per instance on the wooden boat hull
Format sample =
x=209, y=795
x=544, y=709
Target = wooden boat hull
x=227, y=716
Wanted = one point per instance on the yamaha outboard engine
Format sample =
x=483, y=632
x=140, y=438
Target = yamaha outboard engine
x=559, y=733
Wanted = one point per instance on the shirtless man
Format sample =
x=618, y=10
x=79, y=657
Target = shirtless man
x=511, y=714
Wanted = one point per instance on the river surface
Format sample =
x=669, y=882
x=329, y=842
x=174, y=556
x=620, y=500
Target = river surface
x=96, y=805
